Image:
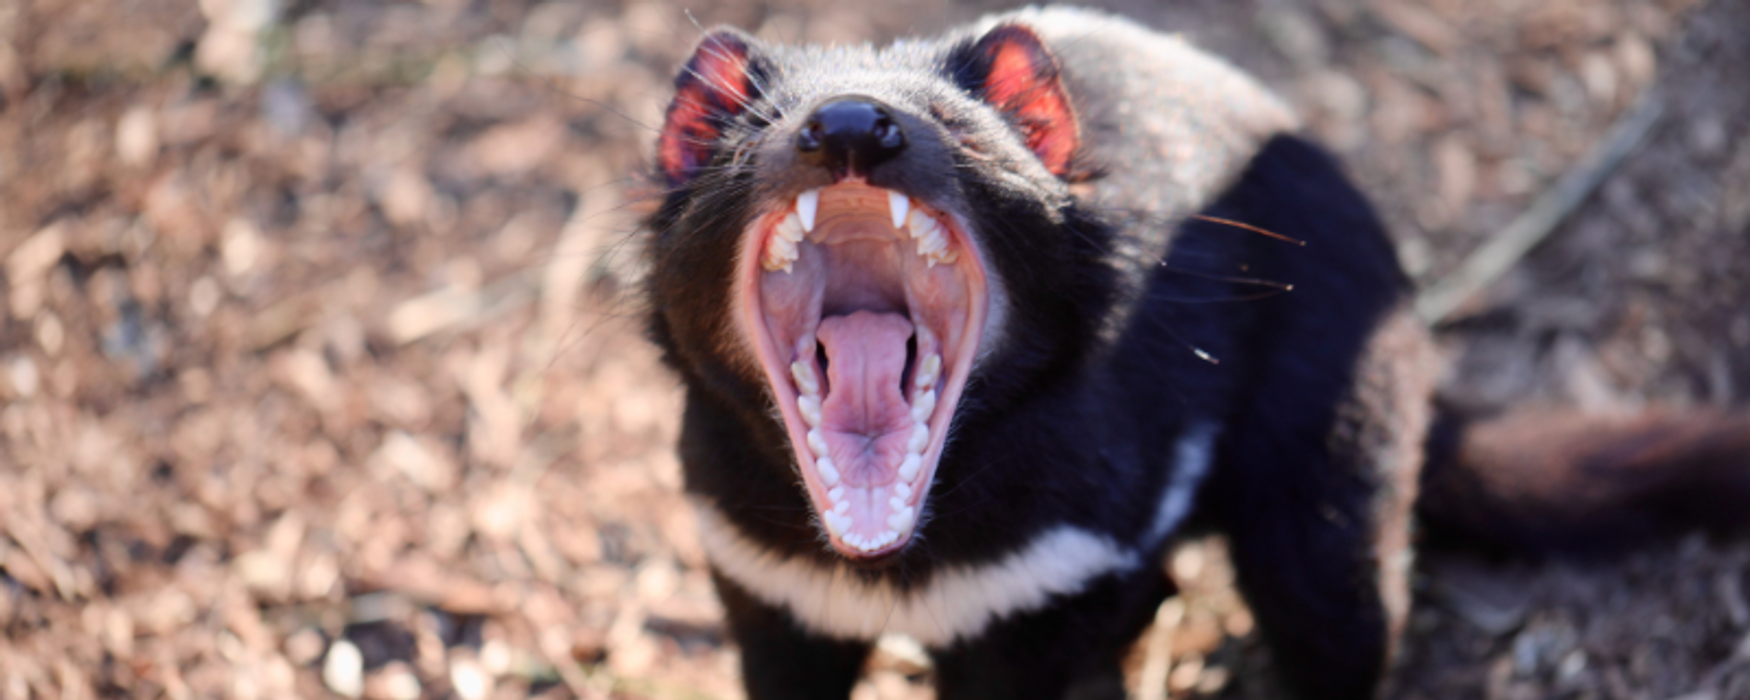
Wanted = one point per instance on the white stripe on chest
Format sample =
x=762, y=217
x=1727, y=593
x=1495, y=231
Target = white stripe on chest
x=958, y=602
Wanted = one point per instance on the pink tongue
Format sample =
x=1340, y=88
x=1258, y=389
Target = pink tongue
x=864, y=417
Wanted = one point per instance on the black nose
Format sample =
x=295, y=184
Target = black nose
x=849, y=134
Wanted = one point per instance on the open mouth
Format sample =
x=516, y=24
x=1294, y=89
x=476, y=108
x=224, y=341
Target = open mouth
x=866, y=310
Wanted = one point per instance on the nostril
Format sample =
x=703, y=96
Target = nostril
x=809, y=139
x=888, y=134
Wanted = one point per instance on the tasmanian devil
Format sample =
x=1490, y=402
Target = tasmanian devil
x=971, y=328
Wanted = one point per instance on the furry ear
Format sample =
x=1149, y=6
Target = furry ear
x=1010, y=69
x=713, y=88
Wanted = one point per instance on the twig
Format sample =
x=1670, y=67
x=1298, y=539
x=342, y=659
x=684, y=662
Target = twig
x=1498, y=255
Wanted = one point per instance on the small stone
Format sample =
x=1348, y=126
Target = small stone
x=50, y=334
x=901, y=654
x=404, y=454
x=1600, y=78
x=204, y=296
x=344, y=669
x=36, y=255
x=304, y=646
x=241, y=247
x=1572, y=665
x=395, y=681
x=1296, y=35
x=470, y=679
x=136, y=137
x=22, y=375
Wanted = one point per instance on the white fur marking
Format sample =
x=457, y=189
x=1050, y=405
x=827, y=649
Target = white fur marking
x=1191, y=460
x=957, y=603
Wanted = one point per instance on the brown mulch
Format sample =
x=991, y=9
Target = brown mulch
x=320, y=367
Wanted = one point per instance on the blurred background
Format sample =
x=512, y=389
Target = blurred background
x=321, y=368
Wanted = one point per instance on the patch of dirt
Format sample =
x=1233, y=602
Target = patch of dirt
x=320, y=370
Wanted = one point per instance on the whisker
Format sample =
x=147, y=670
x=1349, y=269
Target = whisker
x=1284, y=286
x=1248, y=227
x=1218, y=300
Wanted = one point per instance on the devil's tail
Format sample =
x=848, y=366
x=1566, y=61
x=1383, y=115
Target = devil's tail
x=1542, y=481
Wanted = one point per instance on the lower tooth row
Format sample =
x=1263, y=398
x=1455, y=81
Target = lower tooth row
x=920, y=437
x=901, y=520
x=804, y=376
x=928, y=369
x=870, y=544
x=903, y=516
x=908, y=469
x=923, y=406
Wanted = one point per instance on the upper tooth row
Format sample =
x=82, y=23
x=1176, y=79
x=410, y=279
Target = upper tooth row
x=781, y=250
x=931, y=237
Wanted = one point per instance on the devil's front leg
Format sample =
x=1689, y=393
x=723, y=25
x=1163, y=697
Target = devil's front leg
x=1317, y=505
x=779, y=659
x=1070, y=650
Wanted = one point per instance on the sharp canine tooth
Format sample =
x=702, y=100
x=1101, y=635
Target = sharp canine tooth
x=809, y=407
x=829, y=474
x=804, y=376
x=902, y=490
x=908, y=470
x=817, y=442
x=901, y=520
x=923, y=406
x=920, y=436
x=900, y=205
x=807, y=204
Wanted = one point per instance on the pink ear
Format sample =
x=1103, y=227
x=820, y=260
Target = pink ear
x=1014, y=73
x=711, y=90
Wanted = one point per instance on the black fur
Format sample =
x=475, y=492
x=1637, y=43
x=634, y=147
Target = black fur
x=1073, y=417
